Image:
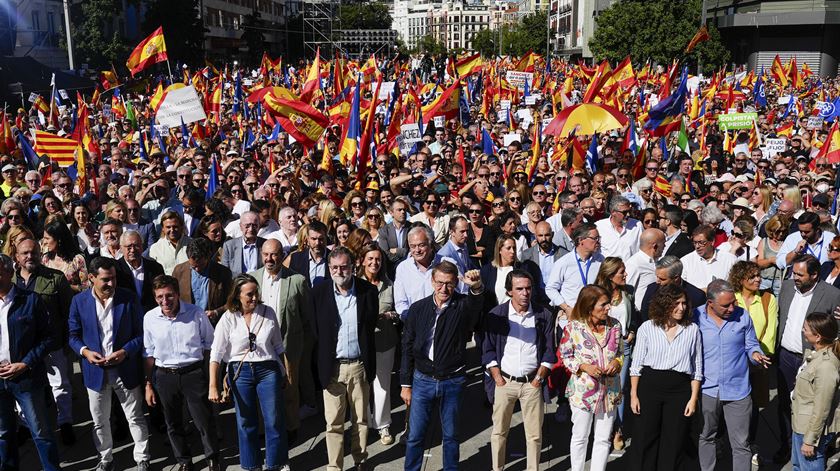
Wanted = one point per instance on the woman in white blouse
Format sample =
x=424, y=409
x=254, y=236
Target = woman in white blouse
x=665, y=381
x=249, y=341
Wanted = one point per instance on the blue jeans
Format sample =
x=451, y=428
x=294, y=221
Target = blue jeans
x=33, y=404
x=625, y=385
x=424, y=391
x=799, y=462
x=259, y=387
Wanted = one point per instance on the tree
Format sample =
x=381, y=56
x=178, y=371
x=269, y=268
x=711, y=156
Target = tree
x=486, y=42
x=94, y=41
x=628, y=28
x=252, y=37
x=429, y=45
x=365, y=16
x=182, y=28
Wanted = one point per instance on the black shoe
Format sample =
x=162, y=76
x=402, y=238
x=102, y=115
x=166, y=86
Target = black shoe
x=782, y=456
x=291, y=437
x=185, y=467
x=213, y=465
x=68, y=436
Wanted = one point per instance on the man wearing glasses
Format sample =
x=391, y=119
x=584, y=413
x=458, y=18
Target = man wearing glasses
x=619, y=232
x=575, y=270
x=706, y=263
x=10, y=180
x=346, y=310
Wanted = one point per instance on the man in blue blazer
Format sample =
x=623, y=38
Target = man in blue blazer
x=518, y=352
x=455, y=250
x=106, y=330
x=26, y=326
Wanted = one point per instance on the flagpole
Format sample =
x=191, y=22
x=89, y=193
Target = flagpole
x=52, y=99
x=171, y=80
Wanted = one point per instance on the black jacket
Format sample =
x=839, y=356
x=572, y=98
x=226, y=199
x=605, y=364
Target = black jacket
x=299, y=262
x=125, y=279
x=825, y=270
x=681, y=246
x=452, y=332
x=695, y=296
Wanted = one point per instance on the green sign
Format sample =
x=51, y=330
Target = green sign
x=731, y=121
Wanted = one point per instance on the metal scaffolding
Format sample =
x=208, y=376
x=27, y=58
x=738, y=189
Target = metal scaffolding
x=321, y=27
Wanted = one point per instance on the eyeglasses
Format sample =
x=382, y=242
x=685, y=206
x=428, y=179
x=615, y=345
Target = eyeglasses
x=596, y=239
x=356, y=204
x=440, y=284
x=374, y=216
x=538, y=193
x=183, y=176
x=623, y=175
x=700, y=243
x=236, y=190
x=495, y=174
x=252, y=342
x=498, y=205
x=738, y=235
x=648, y=222
x=474, y=211
x=515, y=199
x=14, y=217
x=832, y=248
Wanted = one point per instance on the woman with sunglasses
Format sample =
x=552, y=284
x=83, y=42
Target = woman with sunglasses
x=249, y=341
x=830, y=270
x=81, y=225
x=768, y=247
x=354, y=206
x=479, y=237
x=742, y=242
x=650, y=218
x=373, y=221
x=498, y=207
x=507, y=224
x=49, y=205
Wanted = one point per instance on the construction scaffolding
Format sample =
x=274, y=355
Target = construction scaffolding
x=321, y=27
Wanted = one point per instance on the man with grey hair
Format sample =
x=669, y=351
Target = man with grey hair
x=619, y=232
x=729, y=344
x=713, y=216
x=563, y=224
x=32, y=180
x=668, y=269
x=111, y=230
x=412, y=281
x=242, y=254
x=136, y=272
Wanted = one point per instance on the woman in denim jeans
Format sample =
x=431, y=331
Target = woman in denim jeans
x=248, y=339
x=815, y=419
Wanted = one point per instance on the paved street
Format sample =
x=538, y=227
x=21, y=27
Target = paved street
x=310, y=452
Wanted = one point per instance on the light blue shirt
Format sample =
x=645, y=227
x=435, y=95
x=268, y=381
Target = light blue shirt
x=199, y=283
x=819, y=250
x=546, y=262
x=348, y=324
x=180, y=341
x=727, y=351
x=317, y=270
x=250, y=257
x=569, y=275
x=410, y=285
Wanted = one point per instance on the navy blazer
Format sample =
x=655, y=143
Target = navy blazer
x=128, y=335
x=489, y=276
x=497, y=329
x=31, y=337
x=299, y=262
x=825, y=270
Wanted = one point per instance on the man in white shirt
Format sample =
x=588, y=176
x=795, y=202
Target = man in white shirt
x=810, y=239
x=413, y=277
x=171, y=249
x=106, y=331
x=706, y=263
x=287, y=235
x=619, y=232
x=575, y=270
x=641, y=267
x=177, y=337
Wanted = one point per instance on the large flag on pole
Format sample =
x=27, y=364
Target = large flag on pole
x=150, y=51
x=59, y=149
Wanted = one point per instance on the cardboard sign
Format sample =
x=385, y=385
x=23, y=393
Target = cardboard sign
x=63, y=94
x=774, y=146
x=504, y=104
x=531, y=99
x=385, y=90
x=181, y=105
x=409, y=135
x=32, y=97
x=518, y=79
x=510, y=137
x=814, y=122
x=731, y=121
x=440, y=122
x=783, y=100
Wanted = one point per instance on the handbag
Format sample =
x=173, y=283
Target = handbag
x=227, y=382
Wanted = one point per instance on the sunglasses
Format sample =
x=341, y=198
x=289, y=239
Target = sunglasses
x=475, y=211
x=832, y=248
x=648, y=222
x=538, y=193
x=738, y=235
x=515, y=199
x=432, y=202
x=252, y=342
x=623, y=175
x=356, y=204
x=498, y=205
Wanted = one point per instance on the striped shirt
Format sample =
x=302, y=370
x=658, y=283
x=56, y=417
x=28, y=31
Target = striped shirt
x=684, y=354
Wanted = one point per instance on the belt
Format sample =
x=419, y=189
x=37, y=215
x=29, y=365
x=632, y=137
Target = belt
x=347, y=361
x=182, y=370
x=443, y=377
x=519, y=379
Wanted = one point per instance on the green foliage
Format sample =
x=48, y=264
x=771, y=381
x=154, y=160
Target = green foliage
x=182, y=28
x=93, y=41
x=365, y=16
x=429, y=45
x=655, y=29
x=253, y=37
x=486, y=42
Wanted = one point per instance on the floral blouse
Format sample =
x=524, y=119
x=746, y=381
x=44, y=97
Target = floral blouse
x=581, y=346
x=75, y=271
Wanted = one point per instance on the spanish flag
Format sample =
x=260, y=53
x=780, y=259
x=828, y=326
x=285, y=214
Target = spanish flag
x=150, y=51
x=701, y=35
x=778, y=71
x=468, y=65
x=299, y=119
x=831, y=148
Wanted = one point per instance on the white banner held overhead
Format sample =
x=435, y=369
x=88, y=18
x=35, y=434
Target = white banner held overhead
x=518, y=79
x=409, y=135
x=181, y=104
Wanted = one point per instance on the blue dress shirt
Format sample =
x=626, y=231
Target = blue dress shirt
x=200, y=283
x=348, y=325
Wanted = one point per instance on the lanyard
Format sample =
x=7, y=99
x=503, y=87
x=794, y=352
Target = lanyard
x=819, y=249
x=584, y=277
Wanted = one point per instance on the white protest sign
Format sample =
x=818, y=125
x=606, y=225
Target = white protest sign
x=63, y=94
x=440, y=122
x=531, y=99
x=385, y=90
x=814, y=122
x=409, y=135
x=545, y=123
x=774, y=146
x=504, y=104
x=524, y=117
x=518, y=79
x=247, y=82
x=502, y=116
x=61, y=109
x=32, y=97
x=510, y=137
x=106, y=110
x=181, y=104
x=741, y=148
x=783, y=100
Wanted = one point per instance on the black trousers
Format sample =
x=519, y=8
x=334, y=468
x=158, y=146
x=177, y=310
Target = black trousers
x=661, y=429
x=191, y=388
x=787, y=366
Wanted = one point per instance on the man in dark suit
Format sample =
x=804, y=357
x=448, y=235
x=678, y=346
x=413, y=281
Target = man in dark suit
x=544, y=253
x=27, y=326
x=106, y=331
x=312, y=263
x=803, y=294
x=202, y=281
x=513, y=327
x=346, y=310
x=242, y=254
x=677, y=243
x=136, y=272
x=393, y=237
x=669, y=270
x=147, y=229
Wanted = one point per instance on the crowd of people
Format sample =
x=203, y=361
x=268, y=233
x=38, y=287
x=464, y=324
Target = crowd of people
x=651, y=294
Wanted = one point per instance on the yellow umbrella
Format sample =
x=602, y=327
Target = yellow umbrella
x=586, y=119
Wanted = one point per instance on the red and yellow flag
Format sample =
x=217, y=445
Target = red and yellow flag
x=150, y=51
x=313, y=79
x=301, y=120
x=831, y=147
x=701, y=35
x=58, y=149
x=469, y=65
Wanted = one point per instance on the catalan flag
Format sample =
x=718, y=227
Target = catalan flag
x=662, y=186
x=59, y=149
x=150, y=51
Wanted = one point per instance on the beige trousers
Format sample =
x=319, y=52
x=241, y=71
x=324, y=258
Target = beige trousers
x=347, y=387
x=533, y=408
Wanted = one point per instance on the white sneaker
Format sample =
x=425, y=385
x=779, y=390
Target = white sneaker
x=385, y=436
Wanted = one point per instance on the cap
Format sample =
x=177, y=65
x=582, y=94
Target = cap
x=9, y=168
x=726, y=178
x=232, y=152
x=742, y=203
